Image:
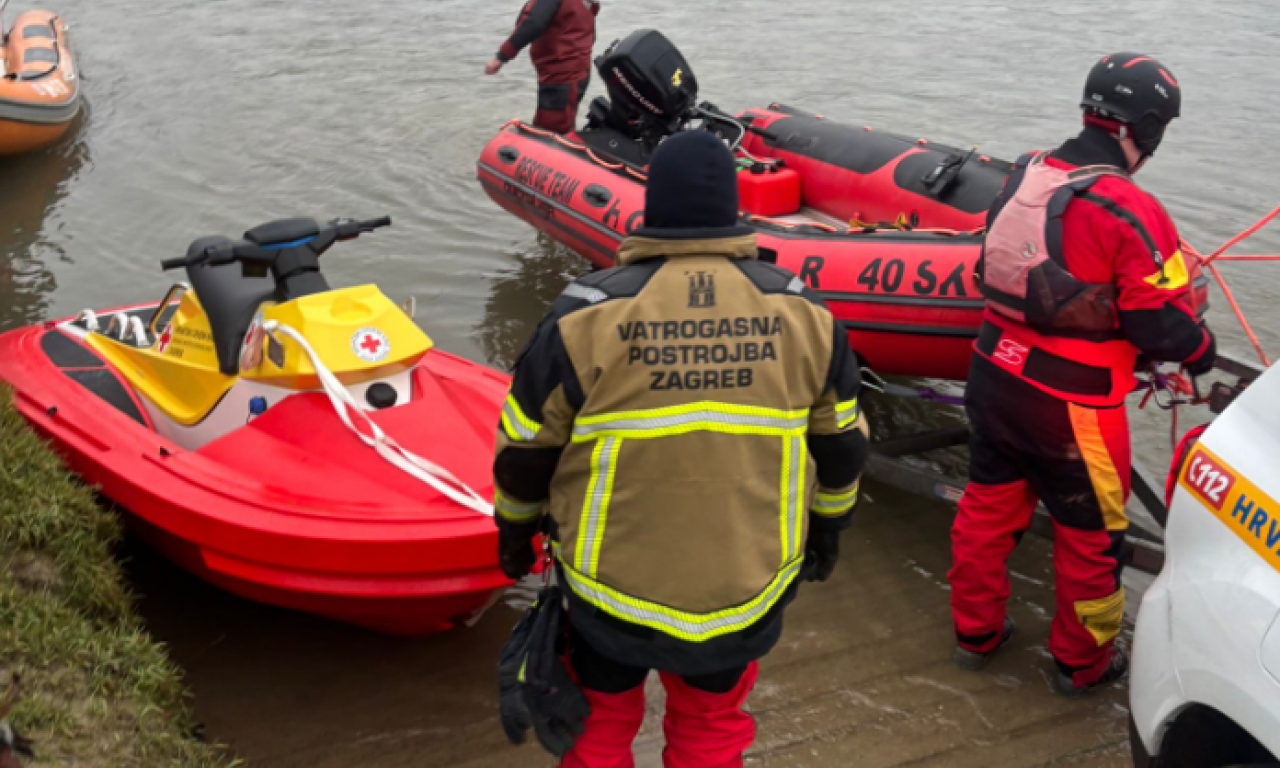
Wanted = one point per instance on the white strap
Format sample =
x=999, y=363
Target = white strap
x=136, y=327
x=89, y=318
x=122, y=325
x=411, y=464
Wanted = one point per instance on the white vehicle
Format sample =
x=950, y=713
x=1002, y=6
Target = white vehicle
x=1205, y=687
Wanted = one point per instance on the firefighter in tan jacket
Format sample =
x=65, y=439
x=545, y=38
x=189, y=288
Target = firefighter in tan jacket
x=686, y=428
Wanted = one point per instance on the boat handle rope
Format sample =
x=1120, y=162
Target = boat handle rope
x=1221, y=255
x=345, y=405
x=89, y=318
x=125, y=325
x=121, y=328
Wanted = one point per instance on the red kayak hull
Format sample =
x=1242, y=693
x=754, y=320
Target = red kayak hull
x=290, y=510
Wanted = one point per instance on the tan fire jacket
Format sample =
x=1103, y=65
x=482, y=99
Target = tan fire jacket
x=683, y=418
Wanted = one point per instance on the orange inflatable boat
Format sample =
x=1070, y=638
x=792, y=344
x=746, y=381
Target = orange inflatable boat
x=39, y=90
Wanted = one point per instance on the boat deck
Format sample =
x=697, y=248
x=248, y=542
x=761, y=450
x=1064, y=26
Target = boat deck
x=812, y=216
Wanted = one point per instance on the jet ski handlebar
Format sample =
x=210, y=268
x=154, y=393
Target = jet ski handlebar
x=263, y=244
x=349, y=229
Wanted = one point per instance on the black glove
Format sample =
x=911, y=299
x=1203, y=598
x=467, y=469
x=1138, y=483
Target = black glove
x=558, y=710
x=821, y=551
x=511, y=709
x=1203, y=362
x=555, y=704
x=515, y=553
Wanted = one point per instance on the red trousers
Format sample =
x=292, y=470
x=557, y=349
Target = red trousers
x=705, y=726
x=558, y=104
x=1027, y=445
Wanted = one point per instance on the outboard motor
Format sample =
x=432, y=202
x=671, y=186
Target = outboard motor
x=652, y=89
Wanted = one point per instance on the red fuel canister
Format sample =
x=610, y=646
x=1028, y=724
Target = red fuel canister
x=768, y=191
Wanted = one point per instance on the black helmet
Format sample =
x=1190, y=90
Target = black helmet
x=1136, y=90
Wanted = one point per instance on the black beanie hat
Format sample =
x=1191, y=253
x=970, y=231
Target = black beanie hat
x=693, y=188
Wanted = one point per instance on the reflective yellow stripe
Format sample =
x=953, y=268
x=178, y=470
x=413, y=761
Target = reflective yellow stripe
x=834, y=504
x=518, y=427
x=694, y=627
x=1103, y=618
x=846, y=413
x=802, y=455
x=595, y=506
x=610, y=429
x=693, y=417
x=515, y=511
x=794, y=460
x=1106, y=481
x=786, y=492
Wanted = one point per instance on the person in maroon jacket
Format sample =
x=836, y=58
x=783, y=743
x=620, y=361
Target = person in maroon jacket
x=1082, y=273
x=560, y=35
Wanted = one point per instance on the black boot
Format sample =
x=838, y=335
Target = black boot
x=975, y=660
x=1116, y=669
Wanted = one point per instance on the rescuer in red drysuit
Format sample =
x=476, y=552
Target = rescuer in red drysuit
x=1082, y=273
x=560, y=35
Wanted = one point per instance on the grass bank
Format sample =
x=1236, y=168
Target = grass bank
x=97, y=690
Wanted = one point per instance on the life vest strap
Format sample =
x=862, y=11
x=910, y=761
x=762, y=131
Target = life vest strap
x=1038, y=365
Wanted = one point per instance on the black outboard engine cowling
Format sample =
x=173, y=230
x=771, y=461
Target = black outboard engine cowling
x=651, y=87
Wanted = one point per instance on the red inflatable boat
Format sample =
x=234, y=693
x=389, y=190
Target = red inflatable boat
x=886, y=228
x=906, y=297
x=230, y=457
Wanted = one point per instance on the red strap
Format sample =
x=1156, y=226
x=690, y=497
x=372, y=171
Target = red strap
x=1107, y=124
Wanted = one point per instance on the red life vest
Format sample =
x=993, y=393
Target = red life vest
x=1045, y=326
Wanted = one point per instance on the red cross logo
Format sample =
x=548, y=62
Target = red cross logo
x=370, y=344
x=163, y=342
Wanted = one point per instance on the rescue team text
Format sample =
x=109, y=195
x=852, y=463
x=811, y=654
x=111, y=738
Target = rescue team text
x=1242, y=506
x=727, y=341
x=557, y=185
x=1256, y=521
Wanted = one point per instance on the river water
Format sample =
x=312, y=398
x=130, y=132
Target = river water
x=209, y=117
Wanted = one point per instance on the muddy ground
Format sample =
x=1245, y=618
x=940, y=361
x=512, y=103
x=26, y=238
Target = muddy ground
x=863, y=675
